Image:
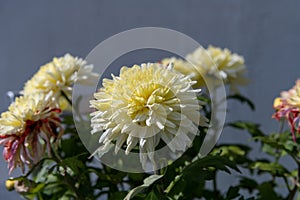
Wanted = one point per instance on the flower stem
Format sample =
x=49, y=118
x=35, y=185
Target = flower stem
x=66, y=97
x=215, y=186
x=33, y=167
x=70, y=183
x=294, y=190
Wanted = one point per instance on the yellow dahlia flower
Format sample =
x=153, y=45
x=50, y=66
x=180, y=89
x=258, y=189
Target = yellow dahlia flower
x=58, y=77
x=26, y=129
x=145, y=105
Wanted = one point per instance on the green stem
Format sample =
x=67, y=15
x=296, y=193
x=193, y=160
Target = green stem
x=287, y=184
x=55, y=155
x=159, y=189
x=281, y=126
x=278, y=151
x=215, y=186
x=67, y=180
x=40, y=197
x=70, y=184
x=37, y=165
x=294, y=190
x=66, y=97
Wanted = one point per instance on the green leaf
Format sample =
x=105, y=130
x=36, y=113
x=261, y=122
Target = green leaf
x=147, y=183
x=252, y=128
x=197, y=173
x=177, y=186
x=233, y=192
x=152, y=196
x=74, y=163
x=242, y=99
x=118, y=196
x=248, y=184
x=266, y=191
x=218, y=162
x=151, y=179
x=55, y=188
x=70, y=147
x=234, y=152
x=269, y=150
x=42, y=173
x=208, y=194
x=37, y=188
x=137, y=177
x=275, y=143
x=274, y=168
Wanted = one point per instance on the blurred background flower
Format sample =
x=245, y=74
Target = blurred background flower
x=212, y=62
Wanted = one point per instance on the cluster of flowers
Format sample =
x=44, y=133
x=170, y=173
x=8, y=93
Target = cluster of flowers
x=142, y=106
x=288, y=108
x=32, y=124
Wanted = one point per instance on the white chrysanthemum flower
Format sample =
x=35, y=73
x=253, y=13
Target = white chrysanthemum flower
x=210, y=63
x=145, y=105
x=59, y=76
x=187, y=69
x=220, y=63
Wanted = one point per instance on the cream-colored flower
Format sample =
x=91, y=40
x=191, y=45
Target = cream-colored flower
x=220, y=63
x=212, y=62
x=188, y=69
x=26, y=129
x=145, y=105
x=293, y=95
x=58, y=77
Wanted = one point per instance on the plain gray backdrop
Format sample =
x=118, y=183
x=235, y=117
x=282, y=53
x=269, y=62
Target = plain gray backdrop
x=266, y=33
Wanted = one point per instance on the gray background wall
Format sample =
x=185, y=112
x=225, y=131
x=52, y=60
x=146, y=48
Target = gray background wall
x=266, y=33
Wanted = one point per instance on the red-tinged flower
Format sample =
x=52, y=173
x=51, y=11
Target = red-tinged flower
x=288, y=108
x=27, y=130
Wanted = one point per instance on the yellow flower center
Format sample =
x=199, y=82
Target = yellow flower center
x=144, y=97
